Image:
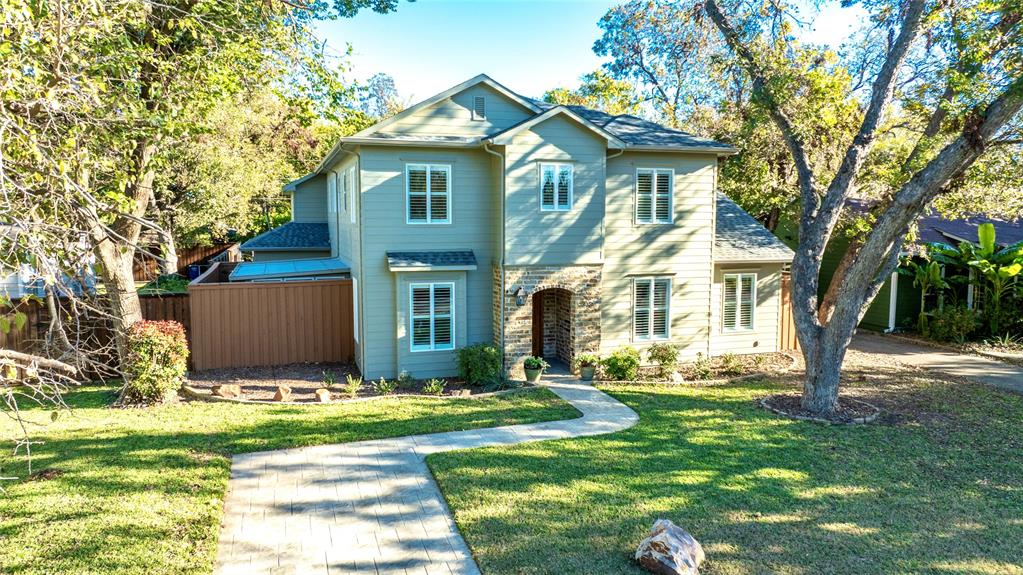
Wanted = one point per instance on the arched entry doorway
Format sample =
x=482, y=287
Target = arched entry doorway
x=553, y=333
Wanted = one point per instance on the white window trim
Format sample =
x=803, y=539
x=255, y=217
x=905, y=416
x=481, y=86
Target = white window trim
x=429, y=193
x=653, y=197
x=342, y=188
x=571, y=186
x=331, y=194
x=738, y=302
x=353, y=193
x=411, y=318
x=355, y=309
x=650, y=322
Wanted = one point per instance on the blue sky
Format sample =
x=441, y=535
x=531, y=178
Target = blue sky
x=529, y=45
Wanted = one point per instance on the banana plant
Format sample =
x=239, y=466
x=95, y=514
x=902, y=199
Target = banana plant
x=926, y=276
x=999, y=267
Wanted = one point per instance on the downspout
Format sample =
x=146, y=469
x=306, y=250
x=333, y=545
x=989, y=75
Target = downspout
x=362, y=256
x=713, y=264
x=486, y=148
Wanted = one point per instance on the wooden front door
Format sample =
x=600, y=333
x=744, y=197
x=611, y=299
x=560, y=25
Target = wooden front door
x=538, y=324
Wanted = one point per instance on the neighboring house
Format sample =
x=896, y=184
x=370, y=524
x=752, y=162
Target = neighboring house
x=479, y=215
x=898, y=303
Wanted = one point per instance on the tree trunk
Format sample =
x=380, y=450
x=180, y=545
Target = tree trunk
x=824, y=359
x=123, y=299
x=169, y=263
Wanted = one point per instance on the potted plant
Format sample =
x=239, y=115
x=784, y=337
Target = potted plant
x=587, y=364
x=534, y=366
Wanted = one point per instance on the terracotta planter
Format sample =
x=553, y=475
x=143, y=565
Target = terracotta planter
x=533, y=375
x=586, y=372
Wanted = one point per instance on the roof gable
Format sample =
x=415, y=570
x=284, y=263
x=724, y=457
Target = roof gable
x=504, y=137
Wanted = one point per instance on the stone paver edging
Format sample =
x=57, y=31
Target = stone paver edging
x=197, y=394
x=373, y=506
x=766, y=404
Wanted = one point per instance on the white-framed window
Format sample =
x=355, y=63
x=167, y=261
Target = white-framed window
x=651, y=308
x=479, y=108
x=739, y=301
x=331, y=192
x=353, y=193
x=431, y=316
x=428, y=194
x=556, y=182
x=654, y=196
x=342, y=188
x=355, y=309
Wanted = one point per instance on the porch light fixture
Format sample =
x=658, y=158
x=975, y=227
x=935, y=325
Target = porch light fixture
x=520, y=295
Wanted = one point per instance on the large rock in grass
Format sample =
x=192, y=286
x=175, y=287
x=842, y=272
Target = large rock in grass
x=227, y=390
x=670, y=550
x=283, y=393
x=323, y=395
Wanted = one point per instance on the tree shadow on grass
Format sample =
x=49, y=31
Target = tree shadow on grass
x=762, y=493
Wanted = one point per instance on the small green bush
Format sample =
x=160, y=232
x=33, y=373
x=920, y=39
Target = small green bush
x=702, y=368
x=480, y=364
x=352, y=385
x=329, y=378
x=953, y=323
x=434, y=387
x=731, y=364
x=665, y=355
x=385, y=387
x=405, y=380
x=622, y=364
x=157, y=361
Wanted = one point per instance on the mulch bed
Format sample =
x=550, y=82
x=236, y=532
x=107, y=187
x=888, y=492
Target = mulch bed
x=260, y=383
x=850, y=411
x=720, y=367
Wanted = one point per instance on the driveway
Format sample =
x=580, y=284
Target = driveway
x=975, y=368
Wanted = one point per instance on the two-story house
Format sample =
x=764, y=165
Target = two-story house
x=479, y=215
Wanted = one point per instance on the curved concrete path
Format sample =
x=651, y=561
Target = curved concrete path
x=373, y=506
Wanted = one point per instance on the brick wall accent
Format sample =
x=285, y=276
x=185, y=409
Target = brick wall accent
x=572, y=310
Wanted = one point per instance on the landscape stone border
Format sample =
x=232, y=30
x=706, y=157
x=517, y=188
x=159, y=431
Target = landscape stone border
x=200, y=395
x=855, y=421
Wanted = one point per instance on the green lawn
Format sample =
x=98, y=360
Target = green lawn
x=936, y=487
x=140, y=490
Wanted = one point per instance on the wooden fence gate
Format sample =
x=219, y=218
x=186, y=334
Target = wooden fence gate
x=274, y=323
x=787, y=340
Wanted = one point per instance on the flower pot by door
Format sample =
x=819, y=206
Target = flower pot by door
x=533, y=375
x=586, y=372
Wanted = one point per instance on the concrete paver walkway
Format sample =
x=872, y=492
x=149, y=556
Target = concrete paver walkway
x=372, y=506
x=975, y=368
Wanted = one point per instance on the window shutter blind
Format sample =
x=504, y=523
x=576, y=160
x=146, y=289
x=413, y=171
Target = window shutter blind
x=421, y=316
x=479, y=108
x=641, y=309
x=663, y=201
x=417, y=189
x=442, y=316
x=746, y=302
x=438, y=193
x=730, y=307
x=644, y=196
x=662, y=296
x=564, y=186
x=547, y=186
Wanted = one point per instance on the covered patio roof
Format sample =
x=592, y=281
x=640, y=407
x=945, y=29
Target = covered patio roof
x=289, y=269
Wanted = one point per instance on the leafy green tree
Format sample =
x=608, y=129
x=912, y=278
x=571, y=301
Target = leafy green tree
x=98, y=92
x=598, y=91
x=760, y=44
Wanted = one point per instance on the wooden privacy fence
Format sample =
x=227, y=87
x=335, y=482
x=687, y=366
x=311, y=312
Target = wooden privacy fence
x=261, y=324
x=787, y=340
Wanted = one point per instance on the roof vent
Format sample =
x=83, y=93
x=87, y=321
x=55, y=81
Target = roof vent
x=479, y=108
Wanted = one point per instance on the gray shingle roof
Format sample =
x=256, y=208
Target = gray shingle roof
x=460, y=259
x=291, y=236
x=740, y=238
x=934, y=227
x=635, y=131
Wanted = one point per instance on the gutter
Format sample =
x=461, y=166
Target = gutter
x=504, y=219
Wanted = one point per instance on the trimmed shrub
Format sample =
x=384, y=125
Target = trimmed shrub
x=622, y=364
x=665, y=355
x=702, y=368
x=731, y=364
x=480, y=364
x=385, y=387
x=157, y=361
x=952, y=324
x=434, y=387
